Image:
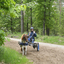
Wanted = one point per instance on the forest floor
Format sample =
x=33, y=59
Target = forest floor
x=48, y=53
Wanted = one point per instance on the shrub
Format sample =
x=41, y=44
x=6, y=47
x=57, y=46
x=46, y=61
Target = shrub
x=2, y=38
x=1, y=52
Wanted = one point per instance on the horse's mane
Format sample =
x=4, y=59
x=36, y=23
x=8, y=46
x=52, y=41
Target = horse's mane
x=24, y=38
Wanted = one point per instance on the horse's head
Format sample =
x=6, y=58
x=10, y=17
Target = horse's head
x=24, y=37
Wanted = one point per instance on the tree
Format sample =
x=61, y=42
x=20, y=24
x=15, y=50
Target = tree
x=47, y=28
x=44, y=18
x=45, y=12
x=22, y=22
x=60, y=10
x=31, y=16
x=9, y=11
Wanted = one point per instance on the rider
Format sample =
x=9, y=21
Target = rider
x=31, y=38
x=32, y=34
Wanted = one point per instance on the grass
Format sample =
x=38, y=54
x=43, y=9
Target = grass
x=46, y=39
x=10, y=56
x=51, y=39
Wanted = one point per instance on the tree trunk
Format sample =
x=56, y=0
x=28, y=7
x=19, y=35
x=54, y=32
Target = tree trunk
x=19, y=24
x=22, y=21
x=60, y=11
x=44, y=19
x=47, y=31
x=44, y=27
x=27, y=26
x=11, y=26
x=31, y=15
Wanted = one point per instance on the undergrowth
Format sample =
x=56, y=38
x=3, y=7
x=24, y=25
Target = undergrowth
x=10, y=56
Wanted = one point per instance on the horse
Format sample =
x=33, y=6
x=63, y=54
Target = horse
x=23, y=44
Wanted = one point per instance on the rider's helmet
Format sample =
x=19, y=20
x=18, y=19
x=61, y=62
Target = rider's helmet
x=31, y=28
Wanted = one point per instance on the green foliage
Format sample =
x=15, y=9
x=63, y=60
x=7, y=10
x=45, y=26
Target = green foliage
x=6, y=4
x=14, y=11
x=10, y=7
x=2, y=37
x=10, y=56
x=52, y=16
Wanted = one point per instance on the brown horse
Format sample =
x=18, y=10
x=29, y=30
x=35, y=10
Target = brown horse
x=24, y=40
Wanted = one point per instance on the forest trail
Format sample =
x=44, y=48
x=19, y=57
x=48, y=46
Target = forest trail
x=48, y=53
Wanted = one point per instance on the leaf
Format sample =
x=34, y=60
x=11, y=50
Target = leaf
x=24, y=6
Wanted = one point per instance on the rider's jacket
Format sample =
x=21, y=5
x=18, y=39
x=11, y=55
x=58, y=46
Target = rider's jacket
x=32, y=34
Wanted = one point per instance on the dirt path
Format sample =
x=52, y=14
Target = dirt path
x=46, y=55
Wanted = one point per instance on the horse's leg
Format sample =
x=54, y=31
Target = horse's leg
x=21, y=47
x=22, y=50
x=25, y=50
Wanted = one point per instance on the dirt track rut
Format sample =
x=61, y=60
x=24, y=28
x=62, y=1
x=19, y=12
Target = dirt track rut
x=46, y=55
